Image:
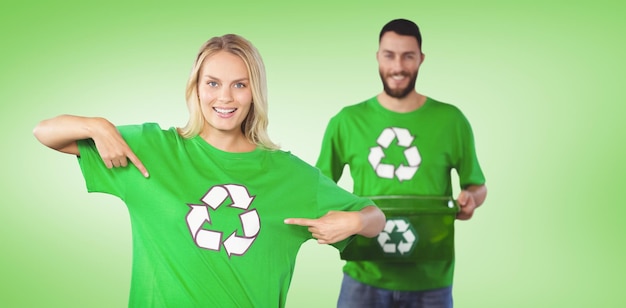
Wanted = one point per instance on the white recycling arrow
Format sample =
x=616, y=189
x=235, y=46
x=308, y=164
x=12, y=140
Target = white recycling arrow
x=250, y=222
x=389, y=248
x=413, y=156
x=405, y=172
x=236, y=245
x=404, y=136
x=385, y=171
x=408, y=236
x=384, y=236
x=203, y=238
x=401, y=225
x=196, y=217
x=215, y=196
x=404, y=247
x=209, y=239
x=386, y=137
x=240, y=196
x=389, y=226
x=375, y=156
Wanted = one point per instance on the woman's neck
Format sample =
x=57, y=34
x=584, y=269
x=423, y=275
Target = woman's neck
x=236, y=143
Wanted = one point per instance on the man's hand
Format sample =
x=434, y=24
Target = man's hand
x=467, y=205
x=470, y=199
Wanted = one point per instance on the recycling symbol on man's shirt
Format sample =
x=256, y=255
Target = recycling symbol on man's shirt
x=412, y=155
x=214, y=198
x=398, y=237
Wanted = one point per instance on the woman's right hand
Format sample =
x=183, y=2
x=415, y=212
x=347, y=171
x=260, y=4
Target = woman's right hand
x=112, y=147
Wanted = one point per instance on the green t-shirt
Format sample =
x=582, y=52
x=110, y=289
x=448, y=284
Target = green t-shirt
x=207, y=225
x=393, y=153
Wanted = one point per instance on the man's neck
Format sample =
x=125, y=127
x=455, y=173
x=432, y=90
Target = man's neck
x=411, y=102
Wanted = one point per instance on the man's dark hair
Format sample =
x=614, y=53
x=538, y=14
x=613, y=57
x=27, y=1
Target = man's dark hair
x=403, y=27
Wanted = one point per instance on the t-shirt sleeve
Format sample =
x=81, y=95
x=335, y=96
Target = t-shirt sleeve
x=99, y=178
x=332, y=197
x=468, y=166
x=330, y=160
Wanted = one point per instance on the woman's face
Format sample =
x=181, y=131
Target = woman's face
x=225, y=94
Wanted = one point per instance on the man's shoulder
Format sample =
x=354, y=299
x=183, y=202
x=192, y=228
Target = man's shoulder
x=358, y=107
x=443, y=106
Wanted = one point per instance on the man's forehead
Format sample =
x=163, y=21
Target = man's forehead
x=393, y=42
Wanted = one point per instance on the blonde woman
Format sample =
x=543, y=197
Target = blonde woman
x=219, y=219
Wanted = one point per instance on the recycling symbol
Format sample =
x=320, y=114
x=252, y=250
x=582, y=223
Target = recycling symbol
x=398, y=237
x=412, y=155
x=209, y=239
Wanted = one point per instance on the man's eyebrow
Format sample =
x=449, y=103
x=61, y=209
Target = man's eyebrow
x=402, y=53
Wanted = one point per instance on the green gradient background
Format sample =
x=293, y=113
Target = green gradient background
x=542, y=85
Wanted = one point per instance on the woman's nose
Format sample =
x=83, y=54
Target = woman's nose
x=225, y=95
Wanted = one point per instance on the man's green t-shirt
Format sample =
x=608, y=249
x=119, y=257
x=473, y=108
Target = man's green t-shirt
x=207, y=225
x=411, y=154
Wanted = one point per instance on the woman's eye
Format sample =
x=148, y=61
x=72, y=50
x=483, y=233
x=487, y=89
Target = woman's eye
x=212, y=84
x=240, y=85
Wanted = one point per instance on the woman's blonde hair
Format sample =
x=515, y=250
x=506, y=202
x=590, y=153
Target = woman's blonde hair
x=254, y=127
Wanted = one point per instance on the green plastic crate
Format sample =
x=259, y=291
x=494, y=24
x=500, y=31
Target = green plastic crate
x=417, y=228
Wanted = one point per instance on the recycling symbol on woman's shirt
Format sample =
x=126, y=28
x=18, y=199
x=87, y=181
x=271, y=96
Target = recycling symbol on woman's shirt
x=412, y=155
x=214, y=198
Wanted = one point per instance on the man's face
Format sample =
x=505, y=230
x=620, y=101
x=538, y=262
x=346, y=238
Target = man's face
x=399, y=58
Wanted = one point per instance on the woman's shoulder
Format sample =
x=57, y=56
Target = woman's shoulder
x=288, y=158
x=149, y=132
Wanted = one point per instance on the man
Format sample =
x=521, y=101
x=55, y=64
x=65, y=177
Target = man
x=430, y=138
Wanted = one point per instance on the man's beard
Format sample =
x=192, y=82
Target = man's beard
x=399, y=93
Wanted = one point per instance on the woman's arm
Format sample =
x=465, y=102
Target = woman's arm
x=61, y=133
x=336, y=226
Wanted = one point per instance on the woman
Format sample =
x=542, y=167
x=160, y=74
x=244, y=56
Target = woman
x=220, y=218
